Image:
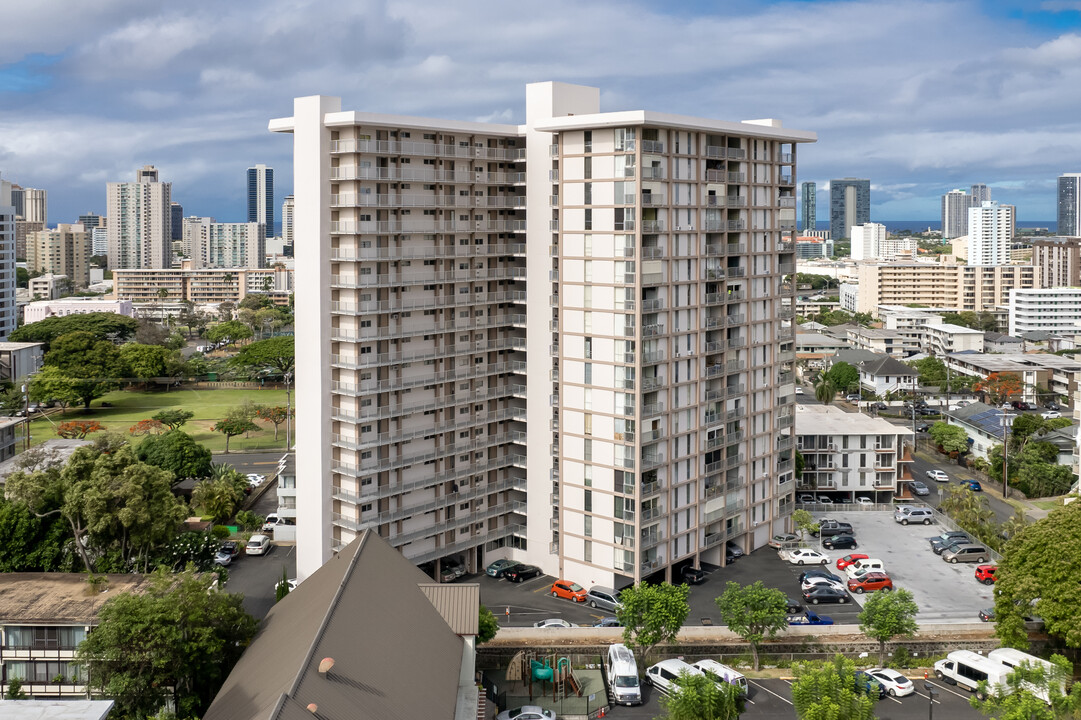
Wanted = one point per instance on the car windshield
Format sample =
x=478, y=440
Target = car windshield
x=575, y=587
x=626, y=681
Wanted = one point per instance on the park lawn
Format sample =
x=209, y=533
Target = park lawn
x=209, y=406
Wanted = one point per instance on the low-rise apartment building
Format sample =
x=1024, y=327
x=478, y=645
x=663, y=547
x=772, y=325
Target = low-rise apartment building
x=885, y=342
x=848, y=455
x=43, y=618
x=49, y=286
x=1053, y=310
x=203, y=285
x=19, y=359
x=885, y=374
x=42, y=309
x=941, y=338
x=287, y=499
x=957, y=287
x=1057, y=374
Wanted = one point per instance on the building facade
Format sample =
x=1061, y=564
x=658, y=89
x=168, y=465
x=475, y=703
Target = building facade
x=850, y=204
x=7, y=261
x=954, y=288
x=90, y=220
x=228, y=245
x=63, y=251
x=40, y=310
x=1058, y=261
x=809, y=206
x=1069, y=204
x=32, y=204
x=990, y=233
x=1055, y=310
x=139, y=231
x=201, y=286
x=955, y=207
x=49, y=286
x=287, y=224
x=650, y=300
x=176, y=221
x=261, y=196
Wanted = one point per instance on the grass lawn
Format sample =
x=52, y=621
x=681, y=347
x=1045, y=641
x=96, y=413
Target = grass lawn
x=209, y=406
x=1048, y=504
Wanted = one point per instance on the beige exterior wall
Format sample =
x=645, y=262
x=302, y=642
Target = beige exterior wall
x=1058, y=261
x=961, y=287
x=63, y=251
x=208, y=285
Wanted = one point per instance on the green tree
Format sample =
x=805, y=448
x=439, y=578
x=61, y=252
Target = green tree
x=1022, y=698
x=103, y=326
x=843, y=376
x=145, y=362
x=31, y=543
x=247, y=520
x=276, y=352
x=93, y=365
x=51, y=385
x=1038, y=576
x=887, y=615
x=972, y=512
x=193, y=548
x=825, y=391
x=218, y=498
x=826, y=690
x=488, y=626
x=177, y=452
x=1044, y=479
x=254, y=302
x=229, y=332
x=697, y=697
x=15, y=690
x=236, y=422
x=951, y=438
x=754, y=612
x=181, y=636
x=175, y=419
x=276, y=414
x=281, y=589
x=652, y=614
x=804, y=522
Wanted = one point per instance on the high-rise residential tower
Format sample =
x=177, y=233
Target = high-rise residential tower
x=980, y=194
x=176, y=221
x=261, y=196
x=34, y=207
x=652, y=300
x=140, y=222
x=7, y=261
x=1069, y=204
x=287, y=224
x=90, y=220
x=809, y=205
x=990, y=233
x=955, y=207
x=850, y=204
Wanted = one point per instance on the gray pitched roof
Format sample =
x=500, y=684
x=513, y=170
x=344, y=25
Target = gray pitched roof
x=395, y=656
x=886, y=365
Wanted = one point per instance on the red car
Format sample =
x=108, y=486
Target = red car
x=869, y=582
x=847, y=560
x=986, y=574
x=569, y=590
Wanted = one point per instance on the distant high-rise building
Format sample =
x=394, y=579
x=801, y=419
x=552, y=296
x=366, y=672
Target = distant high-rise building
x=139, y=230
x=99, y=241
x=176, y=221
x=92, y=220
x=7, y=261
x=955, y=206
x=850, y=204
x=63, y=251
x=980, y=194
x=226, y=245
x=35, y=206
x=990, y=232
x=1057, y=261
x=261, y=196
x=808, y=205
x=1069, y=204
x=22, y=229
x=287, y=224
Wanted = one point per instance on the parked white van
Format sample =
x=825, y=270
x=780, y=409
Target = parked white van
x=1013, y=659
x=966, y=669
x=719, y=673
x=666, y=672
x=865, y=565
x=621, y=671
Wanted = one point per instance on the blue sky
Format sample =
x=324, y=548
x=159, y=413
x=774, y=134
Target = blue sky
x=920, y=97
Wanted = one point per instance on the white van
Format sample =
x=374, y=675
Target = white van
x=1013, y=659
x=257, y=545
x=621, y=671
x=666, y=672
x=719, y=673
x=966, y=669
x=865, y=565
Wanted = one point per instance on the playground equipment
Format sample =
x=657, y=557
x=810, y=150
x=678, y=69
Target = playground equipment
x=528, y=666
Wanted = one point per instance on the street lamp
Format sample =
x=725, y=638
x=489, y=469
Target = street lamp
x=932, y=693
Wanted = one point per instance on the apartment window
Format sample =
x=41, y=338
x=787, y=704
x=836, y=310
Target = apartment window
x=587, y=374
x=587, y=548
x=589, y=348
x=587, y=296
x=588, y=423
x=588, y=526
x=588, y=501
x=589, y=219
x=588, y=194
x=587, y=269
x=588, y=141
x=587, y=243
x=588, y=168
x=587, y=475
x=587, y=450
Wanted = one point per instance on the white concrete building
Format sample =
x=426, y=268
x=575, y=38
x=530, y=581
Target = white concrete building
x=851, y=455
x=943, y=338
x=1054, y=310
x=849, y=296
x=990, y=232
x=230, y=245
x=139, y=231
x=867, y=239
x=886, y=375
x=7, y=261
x=74, y=306
x=99, y=241
x=649, y=300
x=288, y=211
x=49, y=286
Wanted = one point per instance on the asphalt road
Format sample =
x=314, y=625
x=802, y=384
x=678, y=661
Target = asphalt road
x=769, y=699
x=264, y=463
x=1003, y=510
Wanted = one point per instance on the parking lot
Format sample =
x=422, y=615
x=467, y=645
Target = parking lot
x=944, y=592
x=773, y=699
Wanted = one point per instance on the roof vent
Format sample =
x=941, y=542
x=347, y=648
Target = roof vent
x=325, y=665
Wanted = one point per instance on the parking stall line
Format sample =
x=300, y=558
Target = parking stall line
x=943, y=686
x=763, y=687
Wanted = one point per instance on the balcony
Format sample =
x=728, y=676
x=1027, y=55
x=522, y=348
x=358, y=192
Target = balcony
x=652, y=146
x=736, y=177
x=652, y=330
x=736, y=342
x=651, y=538
x=651, y=489
x=786, y=201
x=653, y=173
x=785, y=180
x=736, y=200
x=713, y=273
x=652, y=357
x=653, y=252
x=651, y=461
x=652, y=278
x=652, y=226
x=651, y=199
x=652, y=304
x=651, y=409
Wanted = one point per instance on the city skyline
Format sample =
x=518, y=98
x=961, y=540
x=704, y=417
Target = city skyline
x=904, y=102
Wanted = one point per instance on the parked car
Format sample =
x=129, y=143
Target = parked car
x=864, y=566
x=938, y=476
x=499, y=568
x=864, y=500
x=949, y=545
x=610, y=621
x=257, y=545
x=604, y=598
x=918, y=488
x=522, y=572
x=568, y=590
x=1051, y=415
x=783, y=541
x=927, y=411
x=1021, y=405
x=896, y=684
x=664, y=674
x=947, y=537
x=290, y=583
x=824, y=500
x=527, y=712
x=986, y=574
x=880, y=406
x=811, y=618
x=853, y=397
x=731, y=549
x=554, y=623
x=224, y=558
x=849, y=559
x=805, y=498
x=793, y=606
x=924, y=427
x=825, y=594
x=971, y=484
x=232, y=547
x=868, y=685
x=1052, y=406
x=807, y=556
x=869, y=582
x=816, y=572
x=829, y=528
x=906, y=514
x=987, y=614
x=840, y=542
x=799, y=390
x=966, y=553
x=693, y=575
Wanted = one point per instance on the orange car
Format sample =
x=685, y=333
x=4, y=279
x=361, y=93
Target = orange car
x=569, y=590
x=870, y=581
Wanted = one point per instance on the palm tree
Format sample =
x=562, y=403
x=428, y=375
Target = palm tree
x=162, y=294
x=825, y=391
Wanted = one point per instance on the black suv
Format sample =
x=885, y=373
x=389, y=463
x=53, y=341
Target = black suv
x=829, y=528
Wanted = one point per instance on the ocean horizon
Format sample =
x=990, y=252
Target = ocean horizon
x=921, y=225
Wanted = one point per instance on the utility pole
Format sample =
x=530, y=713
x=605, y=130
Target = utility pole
x=1005, y=453
x=288, y=409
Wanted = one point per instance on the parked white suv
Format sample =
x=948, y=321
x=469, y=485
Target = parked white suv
x=666, y=672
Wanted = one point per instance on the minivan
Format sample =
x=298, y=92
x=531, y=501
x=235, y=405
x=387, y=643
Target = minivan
x=602, y=597
x=966, y=552
x=666, y=672
x=907, y=514
x=621, y=672
x=257, y=545
x=719, y=673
